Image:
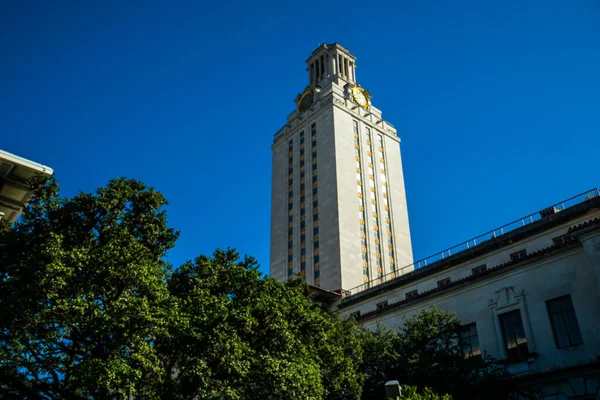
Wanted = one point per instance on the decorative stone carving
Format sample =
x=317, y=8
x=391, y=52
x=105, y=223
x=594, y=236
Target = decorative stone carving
x=339, y=101
x=506, y=297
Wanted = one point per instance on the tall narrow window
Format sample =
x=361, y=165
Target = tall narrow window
x=315, y=204
x=361, y=204
x=564, y=322
x=513, y=334
x=346, y=67
x=322, y=66
x=469, y=341
x=290, y=208
x=302, y=210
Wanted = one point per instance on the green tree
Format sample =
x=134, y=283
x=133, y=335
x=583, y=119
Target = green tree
x=89, y=309
x=426, y=352
x=83, y=293
x=237, y=335
x=410, y=393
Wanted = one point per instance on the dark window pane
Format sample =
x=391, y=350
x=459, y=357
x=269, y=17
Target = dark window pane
x=519, y=255
x=573, y=327
x=479, y=269
x=470, y=341
x=513, y=333
x=444, y=282
x=564, y=322
x=382, y=305
x=561, y=335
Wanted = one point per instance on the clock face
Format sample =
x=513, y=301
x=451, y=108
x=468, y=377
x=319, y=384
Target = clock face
x=359, y=97
x=306, y=101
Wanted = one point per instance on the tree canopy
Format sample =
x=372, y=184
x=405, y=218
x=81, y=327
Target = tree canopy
x=90, y=309
x=426, y=352
x=255, y=338
x=411, y=393
x=83, y=293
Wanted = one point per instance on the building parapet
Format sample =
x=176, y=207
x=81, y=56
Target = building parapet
x=474, y=243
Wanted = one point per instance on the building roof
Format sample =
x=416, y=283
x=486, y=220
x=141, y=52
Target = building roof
x=14, y=190
x=507, y=239
x=333, y=45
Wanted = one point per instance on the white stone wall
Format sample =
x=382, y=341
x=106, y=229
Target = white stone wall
x=398, y=205
x=279, y=211
x=329, y=235
x=349, y=223
x=339, y=226
x=527, y=288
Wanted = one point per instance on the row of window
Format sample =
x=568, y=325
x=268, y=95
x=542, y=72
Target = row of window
x=386, y=207
x=376, y=218
x=290, y=207
x=361, y=204
x=561, y=314
x=478, y=270
x=302, y=207
x=315, y=202
x=317, y=267
x=374, y=215
x=565, y=330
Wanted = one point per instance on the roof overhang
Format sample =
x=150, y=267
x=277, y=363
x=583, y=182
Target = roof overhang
x=14, y=190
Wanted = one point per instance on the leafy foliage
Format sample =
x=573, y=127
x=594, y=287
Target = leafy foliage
x=426, y=352
x=90, y=309
x=238, y=336
x=82, y=293
x=410, y=393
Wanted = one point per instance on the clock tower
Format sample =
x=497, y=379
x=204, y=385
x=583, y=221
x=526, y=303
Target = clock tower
x=338, y=208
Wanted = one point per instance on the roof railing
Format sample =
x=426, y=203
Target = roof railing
x=469, y=244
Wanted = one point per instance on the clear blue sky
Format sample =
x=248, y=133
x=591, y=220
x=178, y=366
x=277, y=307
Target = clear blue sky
x=497, y=103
